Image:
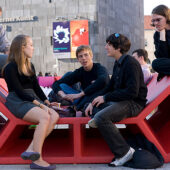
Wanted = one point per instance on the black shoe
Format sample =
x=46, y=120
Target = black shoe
x=35, y=166
x=72, y=112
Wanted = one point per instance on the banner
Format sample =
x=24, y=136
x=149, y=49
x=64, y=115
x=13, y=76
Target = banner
x=79, y=33
x=67, y=36
x=61, y=38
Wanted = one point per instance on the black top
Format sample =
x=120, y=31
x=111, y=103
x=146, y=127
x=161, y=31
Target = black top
x=18, y=82
x=91, y=81
x=127, y=82
x=162, y=48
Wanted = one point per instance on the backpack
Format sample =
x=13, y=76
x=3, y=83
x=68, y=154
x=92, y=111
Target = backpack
x=146, y=155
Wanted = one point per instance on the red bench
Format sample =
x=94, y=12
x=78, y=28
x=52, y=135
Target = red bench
x=73, y=142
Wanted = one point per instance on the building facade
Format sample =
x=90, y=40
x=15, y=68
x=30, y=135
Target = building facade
x=35, y=18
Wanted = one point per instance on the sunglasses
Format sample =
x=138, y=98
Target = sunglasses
x=117, y=35
x=156, y=20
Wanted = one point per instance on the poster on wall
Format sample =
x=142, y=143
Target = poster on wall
x=61, y=39
x=67, y=36
x=79, y=34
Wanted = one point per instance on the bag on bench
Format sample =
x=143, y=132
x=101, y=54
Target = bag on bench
x=146, y=155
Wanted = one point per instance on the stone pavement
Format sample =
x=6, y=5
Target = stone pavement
x=77, y=167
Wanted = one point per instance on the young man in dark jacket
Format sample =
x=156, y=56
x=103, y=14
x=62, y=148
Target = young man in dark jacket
x=126, y=93
x=92, y=76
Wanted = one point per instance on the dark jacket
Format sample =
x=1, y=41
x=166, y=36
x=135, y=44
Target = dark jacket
x=91, y=81
x=162, y=48
x=127, y=82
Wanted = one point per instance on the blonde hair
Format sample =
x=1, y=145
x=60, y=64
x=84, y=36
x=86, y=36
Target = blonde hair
x=16, y=54
x=82, y=48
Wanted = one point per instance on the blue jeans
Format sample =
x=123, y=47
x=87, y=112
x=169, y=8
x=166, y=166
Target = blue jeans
x=76, y=86
x=69, y=90
x=111, y=114
x=79, y=103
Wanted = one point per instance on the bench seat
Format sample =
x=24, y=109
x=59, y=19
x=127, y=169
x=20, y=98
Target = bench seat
x=72, y=141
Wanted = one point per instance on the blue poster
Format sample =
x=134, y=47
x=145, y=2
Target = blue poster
x=61, y=37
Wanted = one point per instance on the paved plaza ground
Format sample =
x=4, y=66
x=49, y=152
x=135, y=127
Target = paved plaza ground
x=78, y=167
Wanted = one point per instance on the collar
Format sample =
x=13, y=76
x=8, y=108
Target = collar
x=121, y=59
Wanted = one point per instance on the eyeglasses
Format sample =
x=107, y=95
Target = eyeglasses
x=156, y=20
x=117, y=35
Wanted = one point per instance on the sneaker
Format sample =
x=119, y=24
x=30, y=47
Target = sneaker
x=121, y=161
x=92, y=123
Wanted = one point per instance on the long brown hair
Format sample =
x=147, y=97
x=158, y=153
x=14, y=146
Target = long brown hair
x=16, y=54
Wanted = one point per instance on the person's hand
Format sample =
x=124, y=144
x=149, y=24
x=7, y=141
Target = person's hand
x=47, y=109
x=55, y=104
x=47, y=102
x=160, y=29
x=98, y=100
x=44, y=107
x=89, y=110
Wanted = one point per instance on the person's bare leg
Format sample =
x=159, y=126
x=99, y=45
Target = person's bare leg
x=37, y=115
x=46, y=124
x=53, y=119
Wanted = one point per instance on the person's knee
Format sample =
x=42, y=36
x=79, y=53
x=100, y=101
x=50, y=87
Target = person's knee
x=54, y=117
x=155, y=64
x=99, y=119
x=44, y=118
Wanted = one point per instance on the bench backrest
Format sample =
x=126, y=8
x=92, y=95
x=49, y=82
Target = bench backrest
x=3, y=84
x=3, y=90
x=47, y=81
x=155, y=88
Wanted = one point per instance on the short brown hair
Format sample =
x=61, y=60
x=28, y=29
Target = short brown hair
x=82, y=48
x=141, y=52
x=119, y=41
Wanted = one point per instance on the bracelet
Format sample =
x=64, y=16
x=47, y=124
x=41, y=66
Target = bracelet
x=46, y=104
x=39, y=104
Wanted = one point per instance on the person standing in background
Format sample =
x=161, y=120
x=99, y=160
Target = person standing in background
x=4, y=45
